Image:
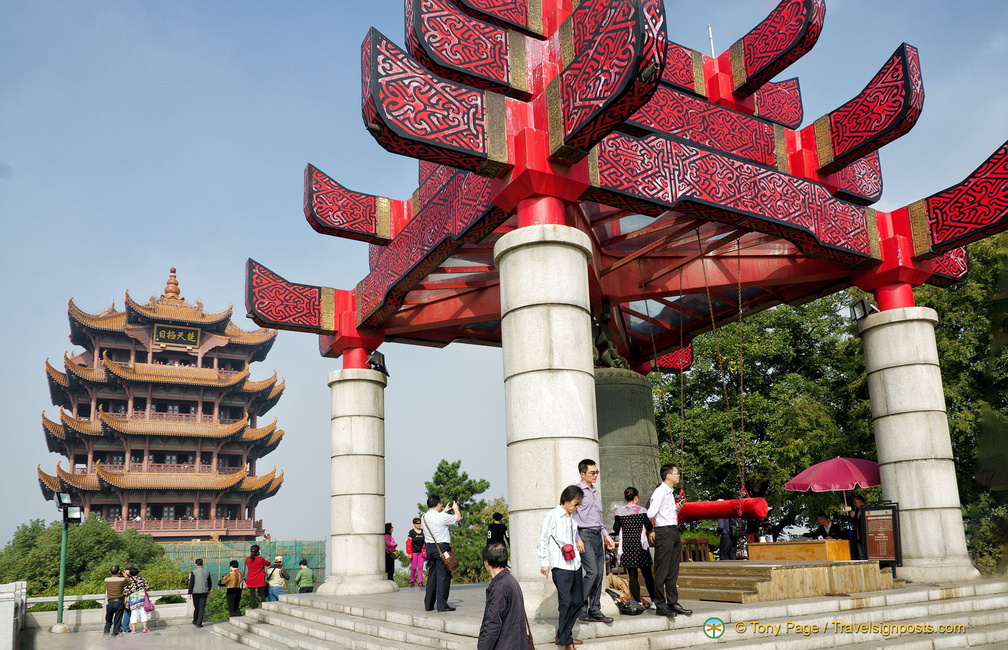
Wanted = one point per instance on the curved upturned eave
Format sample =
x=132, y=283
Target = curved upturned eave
x=150, y=373
x=212, y=430
x=177, y=311
x=162, y=481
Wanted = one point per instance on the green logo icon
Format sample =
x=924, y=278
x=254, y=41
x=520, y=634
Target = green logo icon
x=713, y=628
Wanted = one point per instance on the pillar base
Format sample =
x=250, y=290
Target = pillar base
x=951, y=569
x=356, y=585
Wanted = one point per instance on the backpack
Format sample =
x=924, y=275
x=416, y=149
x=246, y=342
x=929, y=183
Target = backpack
x=737, y=528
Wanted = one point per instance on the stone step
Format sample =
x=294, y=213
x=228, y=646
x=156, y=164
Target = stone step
x=240, y=634
x=353, y=631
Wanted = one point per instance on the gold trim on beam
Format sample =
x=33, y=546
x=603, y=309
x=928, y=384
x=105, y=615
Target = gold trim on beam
x=736, y=53
x=699, y=81
x=824, y=146
x=496, y=134
x=871, y=225
x=535, y=16
x=327, y=323
x=780, y=148
x=920, y=228
x=383, y=218
x=593, y=175
x=517, y=66
x=566, y=44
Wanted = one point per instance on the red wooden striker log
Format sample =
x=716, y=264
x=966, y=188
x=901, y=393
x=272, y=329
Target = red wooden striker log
x=745, y=508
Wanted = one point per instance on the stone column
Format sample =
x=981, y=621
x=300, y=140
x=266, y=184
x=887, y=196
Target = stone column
x=628, y=438
x=913, y=443
x=549, y=384
x=357, y=504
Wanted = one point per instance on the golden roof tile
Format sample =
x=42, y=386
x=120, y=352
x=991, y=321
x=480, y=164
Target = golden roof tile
x=162, y=481
x=176, y=310
x=260, y=433
x=88, y=482
x=93, y=375
x=255, y=337
x=256, y=386
x=273, y=486
x=133, y=426
x=55, y=375
x=109, y=320
x=256, y=483
x=158, y=374
x=49, y=484
x=80, y=426
x=51, y=428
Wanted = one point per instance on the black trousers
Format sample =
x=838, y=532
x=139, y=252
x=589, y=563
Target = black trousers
x=668, y=549
x=438, y=578
x=233, y=597
x=390, y=559
x=257, y=595
x=728, y=548
x=113, y=615
x=635, y=582
x=593, y=563
x=199, y=608
x=570, y=598
x=304, y=590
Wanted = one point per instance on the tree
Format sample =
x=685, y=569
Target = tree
x=469, y=536
x=33, y=555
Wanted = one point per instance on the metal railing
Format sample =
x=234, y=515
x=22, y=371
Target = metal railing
x=217, y=524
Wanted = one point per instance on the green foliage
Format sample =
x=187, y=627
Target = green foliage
x=469, y=537
x=33, y=555
x=804, y=400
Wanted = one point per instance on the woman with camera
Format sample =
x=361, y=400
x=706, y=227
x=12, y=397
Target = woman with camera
x=559, y=550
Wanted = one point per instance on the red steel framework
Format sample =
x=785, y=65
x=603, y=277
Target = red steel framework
x=687, y=172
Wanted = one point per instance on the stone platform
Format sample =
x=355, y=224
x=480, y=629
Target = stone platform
x=760, y=581
x=398, y=620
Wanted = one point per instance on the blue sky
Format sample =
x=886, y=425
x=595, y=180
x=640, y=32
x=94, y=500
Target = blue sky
x=137, y=136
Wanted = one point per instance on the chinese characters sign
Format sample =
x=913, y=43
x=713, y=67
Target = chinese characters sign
x=174, y=335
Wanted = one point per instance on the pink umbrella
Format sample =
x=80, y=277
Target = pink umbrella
x=836, y=474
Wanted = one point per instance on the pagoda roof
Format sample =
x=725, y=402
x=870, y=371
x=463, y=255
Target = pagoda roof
x=273, y=397
x=82, y=482
x=255, y=434
x=77, y=372
x=109, y=320
x=58, y=386
x=274, y=440
x=80, y=426
x=259, y=336
x=158, y=374
x=260, y=386
x=131, y=426
x=173, y=309
x=50, y=484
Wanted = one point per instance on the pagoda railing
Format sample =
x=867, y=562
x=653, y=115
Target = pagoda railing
x=218, y=524
x=174, y=417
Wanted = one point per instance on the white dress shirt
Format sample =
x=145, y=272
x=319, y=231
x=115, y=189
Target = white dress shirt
x=663, y=506
x=438, y=523
x=558, y=528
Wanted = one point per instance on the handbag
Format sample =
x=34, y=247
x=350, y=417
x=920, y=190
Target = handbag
x=450, y=561
x=148, y=605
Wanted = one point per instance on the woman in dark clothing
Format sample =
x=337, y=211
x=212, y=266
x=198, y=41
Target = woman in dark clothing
x=631, y=528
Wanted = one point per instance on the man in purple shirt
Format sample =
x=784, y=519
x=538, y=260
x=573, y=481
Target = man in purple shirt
x=595, y=536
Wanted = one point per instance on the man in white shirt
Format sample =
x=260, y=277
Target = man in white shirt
x=438, y=540
x=663, y=512
x=558, y=539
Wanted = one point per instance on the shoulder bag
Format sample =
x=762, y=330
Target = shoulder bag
x=148, y=604
x=450, y=561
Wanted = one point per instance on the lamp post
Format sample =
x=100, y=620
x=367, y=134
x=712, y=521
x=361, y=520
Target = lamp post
x=71, y=514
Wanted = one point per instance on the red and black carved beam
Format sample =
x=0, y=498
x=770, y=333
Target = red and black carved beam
x=613, y=54
x=464, y=49
x=964, y=213
x=780, y=102
x=525, y=16
x=332, y=209
x=412, y=112
x=272, y=301
x=886, y=109
x=782, y=38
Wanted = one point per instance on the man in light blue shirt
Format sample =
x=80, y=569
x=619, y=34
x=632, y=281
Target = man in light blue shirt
x=596, y=537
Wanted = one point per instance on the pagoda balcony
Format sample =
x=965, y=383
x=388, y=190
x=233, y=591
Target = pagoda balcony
x=202, y=527
x=176, y=417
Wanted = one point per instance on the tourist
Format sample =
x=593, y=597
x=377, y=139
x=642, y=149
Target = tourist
x=137, y=597
x=663, y=512
x=127, y=572
x=503, y=626
x=255, y=576
x=438, y=540
x=558, y=537
x=497, y=531
x=417, y=551
x=276, y=578
x=232, y=582
x=390, y=551
x=631, y=522
x=199, y=589
x=596, y=541
x=305, y=578
x=114, y=586
x=827, y=529
x=856, y=525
